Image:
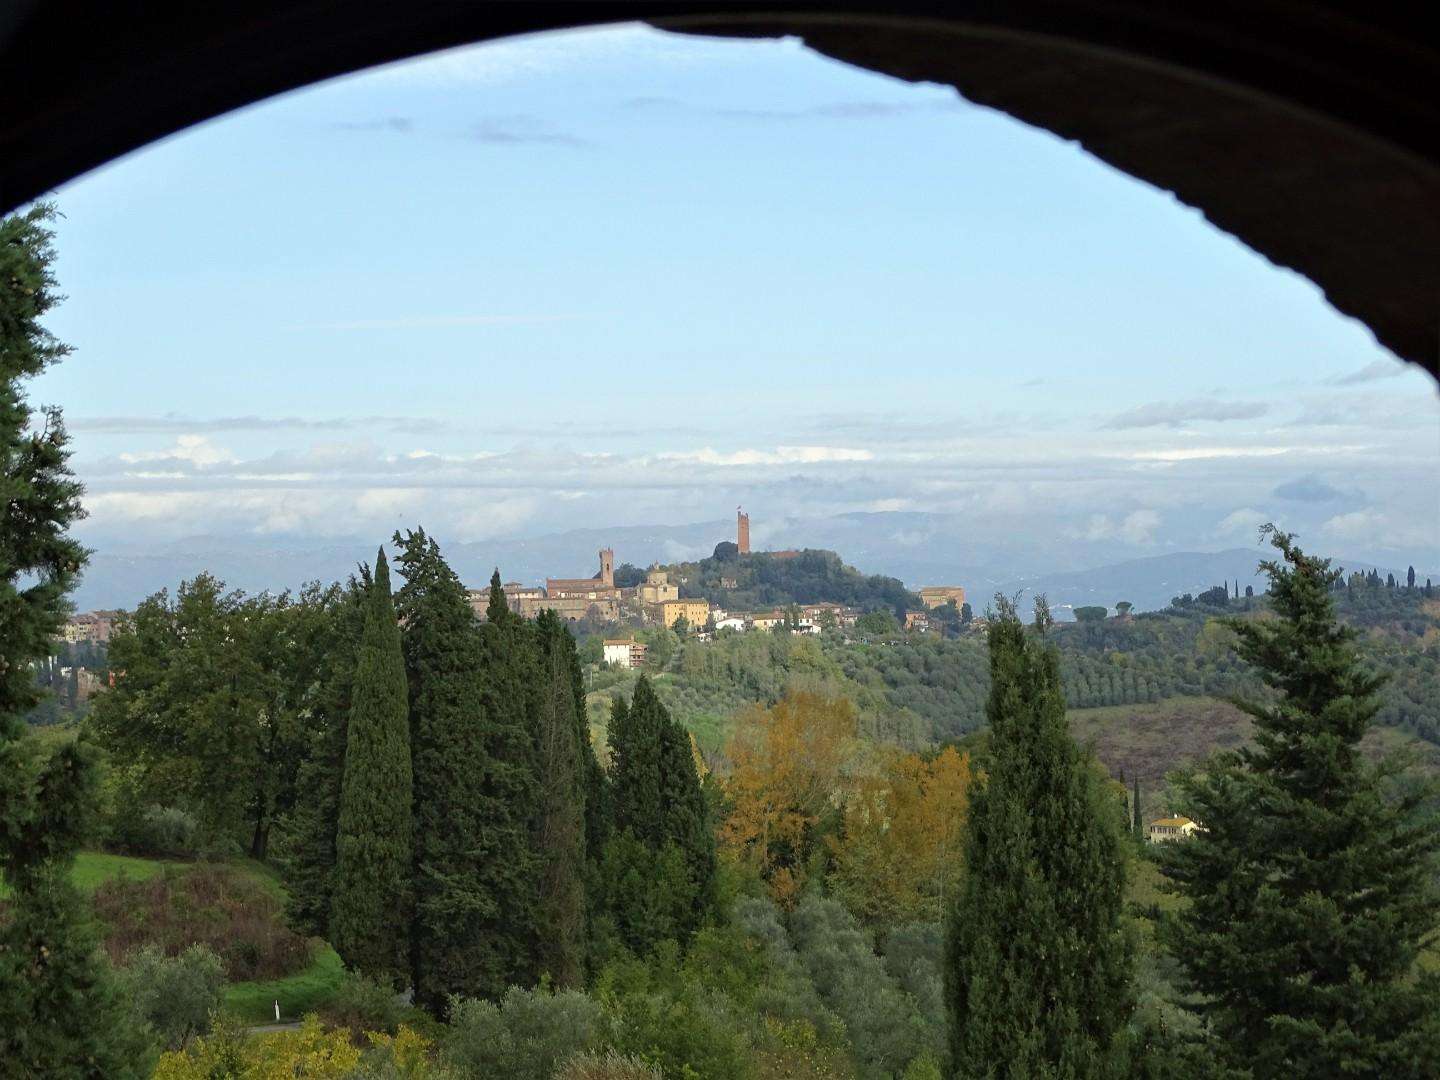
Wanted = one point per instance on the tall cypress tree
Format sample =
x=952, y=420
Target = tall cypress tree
x=59, y=1013
x=1137, y=821
x=371, y=899
x=510, y=667
x=560, y=839
x=1038, y=964
x=635, y=736
x=471, y=883
x=1312, y=887
x=687, y=816
x=306, y=847
x=656, y=800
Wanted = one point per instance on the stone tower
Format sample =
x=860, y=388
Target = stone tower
x=742, y=531
x=607, y=567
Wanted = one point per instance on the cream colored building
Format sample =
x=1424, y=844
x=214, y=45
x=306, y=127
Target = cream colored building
x=1163, y=830
x=694, y=612
x=657, y=588
x=767, y=620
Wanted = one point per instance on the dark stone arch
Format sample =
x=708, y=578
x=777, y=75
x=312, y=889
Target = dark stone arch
x=1309, y=131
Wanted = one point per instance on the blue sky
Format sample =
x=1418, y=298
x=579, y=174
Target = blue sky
x=620, y=277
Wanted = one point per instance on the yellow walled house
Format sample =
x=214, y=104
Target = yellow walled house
x=1163, y=830
x=694, y=612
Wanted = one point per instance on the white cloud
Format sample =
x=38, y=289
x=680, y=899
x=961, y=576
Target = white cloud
x=1245, y=520
x=781, y=455
x=1139, y=526
x=1207, y=453
x=196, y=450
x=1136, y=527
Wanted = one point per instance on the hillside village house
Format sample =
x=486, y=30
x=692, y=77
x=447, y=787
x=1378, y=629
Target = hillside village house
x=90, y=626
x=767, y=620
x=624, y=653
x=694, y=612
x=1163, y=830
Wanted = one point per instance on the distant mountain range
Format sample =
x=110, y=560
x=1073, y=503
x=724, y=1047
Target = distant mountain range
x=920, y=549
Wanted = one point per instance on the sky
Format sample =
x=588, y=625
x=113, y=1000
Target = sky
x=619, y=277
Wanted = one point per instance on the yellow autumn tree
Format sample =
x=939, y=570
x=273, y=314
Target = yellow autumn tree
x=899, y=854
x=787, y=767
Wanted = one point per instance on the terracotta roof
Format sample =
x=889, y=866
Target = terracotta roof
x=1175, y=821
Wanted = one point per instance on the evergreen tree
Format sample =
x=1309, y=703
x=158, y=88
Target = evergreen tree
x=635, y=766
x=371, y=899
x=510, y=663
x=1312, y=889
x=59, y=1010
x=1410, y=578
x=307, y=834
x=656, y=797
x=1137, y=821
x=560, y=840
x=1038, y=963
x=473, y=908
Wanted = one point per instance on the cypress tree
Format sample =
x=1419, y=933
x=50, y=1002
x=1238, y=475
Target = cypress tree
x=306, y=848
x=1038, y=964
x=687, y=816
x=471, y=858
x=560, y=839
x=510, y=684
x=1137, y=822
x=1312, y=889
x=59, y=1010
x=635, y=765
x=371, y=900
x=656, y=800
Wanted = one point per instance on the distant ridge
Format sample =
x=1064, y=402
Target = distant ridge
x=919, y=549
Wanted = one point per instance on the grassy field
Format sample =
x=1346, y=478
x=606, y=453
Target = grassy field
x=305, y=991
x=1148, y=741
x=253, y=1002
x=94, y=867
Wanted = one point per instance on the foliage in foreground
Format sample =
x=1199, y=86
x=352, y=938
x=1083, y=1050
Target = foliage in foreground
x=1312, y=890
x=60, y=1014
x=1038, y=964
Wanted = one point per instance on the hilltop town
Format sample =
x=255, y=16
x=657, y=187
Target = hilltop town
x=708, y=605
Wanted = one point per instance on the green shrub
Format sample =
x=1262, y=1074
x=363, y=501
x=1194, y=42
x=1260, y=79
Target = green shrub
x=667, y=1017
x=174, y=995
x=610, y=1066
x=363, y=1005
x=237, y=916
x=527, y=1035
x=885, y=1027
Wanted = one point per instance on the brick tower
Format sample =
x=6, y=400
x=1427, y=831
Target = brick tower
x=607, y=567
x=742, y=531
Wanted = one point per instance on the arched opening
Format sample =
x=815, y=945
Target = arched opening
x=1145, y=452
x=1309, y=134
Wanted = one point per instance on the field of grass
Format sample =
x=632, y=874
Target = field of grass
x=305, y=991
x=1149, y=740
x=94, y=867
x=253, y=1002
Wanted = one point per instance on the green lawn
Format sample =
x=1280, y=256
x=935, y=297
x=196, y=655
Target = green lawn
x=94, y=867
x=305, y=991
x=254, y=1002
